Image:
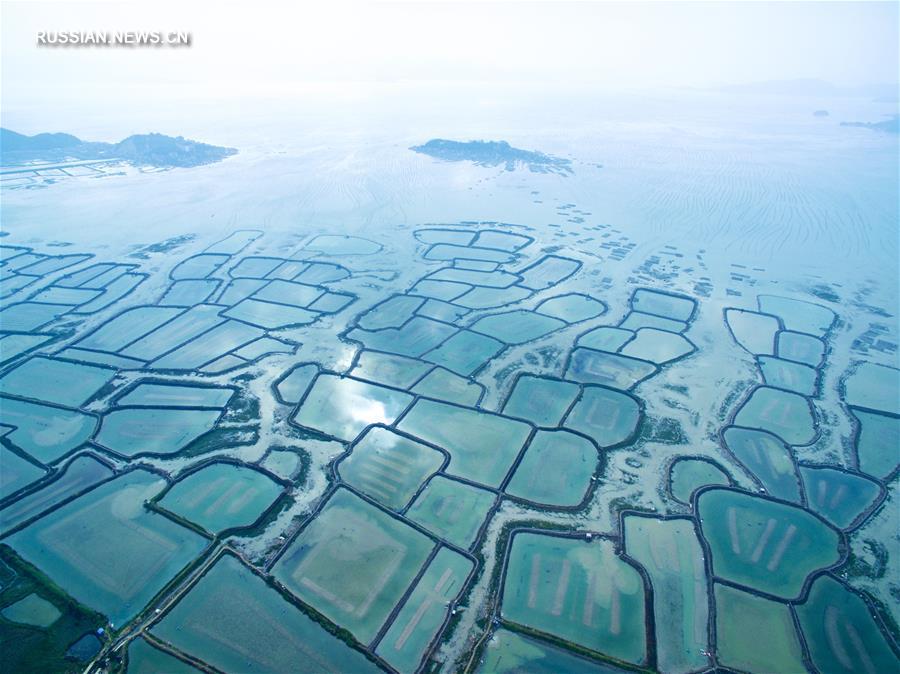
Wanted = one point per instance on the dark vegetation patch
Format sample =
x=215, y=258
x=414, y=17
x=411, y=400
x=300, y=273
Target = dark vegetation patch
x=26, y=648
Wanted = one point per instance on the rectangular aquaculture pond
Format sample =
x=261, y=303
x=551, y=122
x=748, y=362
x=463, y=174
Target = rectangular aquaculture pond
x=107, y=550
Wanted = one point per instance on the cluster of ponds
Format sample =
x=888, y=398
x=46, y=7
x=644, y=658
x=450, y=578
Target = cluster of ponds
x=110, y=553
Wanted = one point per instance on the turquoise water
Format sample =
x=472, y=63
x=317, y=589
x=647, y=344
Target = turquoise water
x=106, y=551
x=233, y=620
x=222, y=496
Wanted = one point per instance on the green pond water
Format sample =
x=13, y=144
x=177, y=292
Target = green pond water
x=165, y=395
x=517, y=327
x=638, y=319
x=389, y=369
x=106, y=550
x=670, y=552
x=145, y=659
x=17, y=472
x=789, y=375
x=464, y=352
x=607, y=416
x=221, y=496
x=451, y=510
x=596, y=367
x=876, y=387
x=186, y=327
x=198, y=266
x=657, y=346
x=285, y=464
x=755, y=634
x=572, y=308
x=151, y=430
x=449, y=386
x=353, y=563
x=769, y=546
x=189, y=292
x=45, y=433
x=578, y=591
x=296, y=383
x=800, y=348
x=753, y=331
x=389, y=467
x=687, y=476
x=787, y=415
x=767, y=458
x=878, y=438
x=798, y=315
x=667, y=306
x=544, y=402
x=234, y=621
x=55, y=381
x=838, y=496
x=424, y=611
x=343, y=407
x=841, y=634
x=605, y=339
x=482, y=446
x=32, y=610
x=513, y=653
x=574, y=459
x=80, y=474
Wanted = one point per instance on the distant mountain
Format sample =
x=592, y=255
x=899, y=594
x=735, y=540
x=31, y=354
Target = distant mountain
x=888, y=126
x=493, y=153
x=153, y=149
x=10, y=141
x=809, y=87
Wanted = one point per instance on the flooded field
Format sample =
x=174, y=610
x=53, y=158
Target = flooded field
x=334, y=405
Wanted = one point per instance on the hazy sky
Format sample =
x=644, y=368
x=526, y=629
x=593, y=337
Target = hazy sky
x=256, y=47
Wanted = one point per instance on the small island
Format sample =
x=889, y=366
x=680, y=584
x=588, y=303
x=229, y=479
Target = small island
x=152, y=149
x=888, y=126
x=820, y=113
x=494, y=153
